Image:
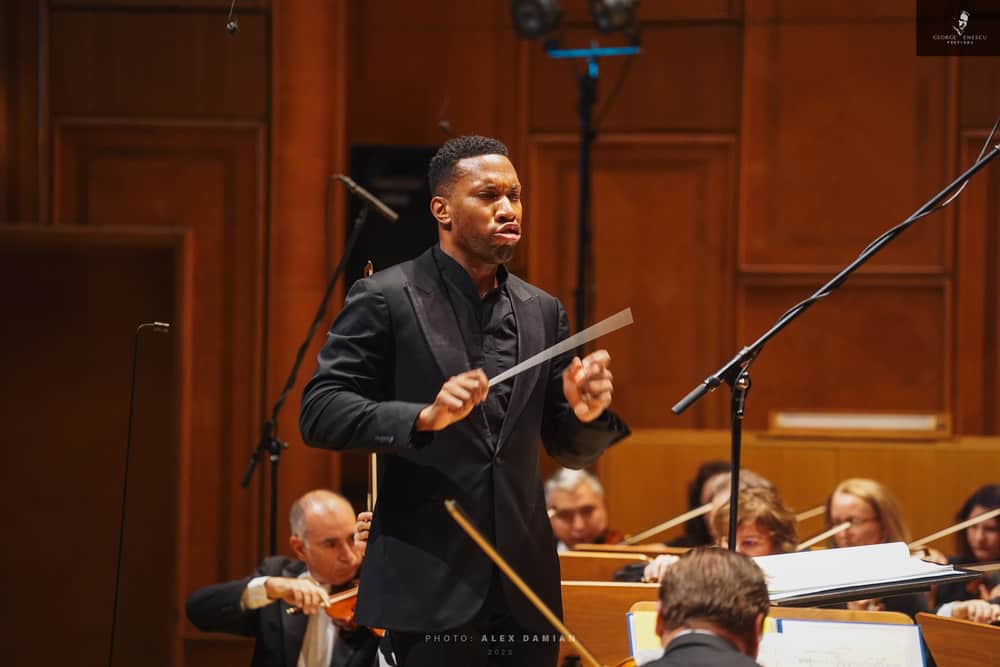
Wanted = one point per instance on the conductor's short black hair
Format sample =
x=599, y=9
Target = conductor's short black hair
x=442, y=171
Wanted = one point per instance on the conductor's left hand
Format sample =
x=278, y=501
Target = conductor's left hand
x=588, y=386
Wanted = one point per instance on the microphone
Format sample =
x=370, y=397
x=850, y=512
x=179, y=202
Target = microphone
x=368, y=198
x=232, y=22
x=156, y=327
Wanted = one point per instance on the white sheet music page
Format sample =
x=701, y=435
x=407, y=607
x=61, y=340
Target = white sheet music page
x=802, y=573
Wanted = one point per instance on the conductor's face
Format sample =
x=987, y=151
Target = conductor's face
x=479, y=212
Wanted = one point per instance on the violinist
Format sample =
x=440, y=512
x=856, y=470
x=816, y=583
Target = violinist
x=979, y=543
x=327, y=561
x=875, y=518
x=764, y=527
x=575, y=500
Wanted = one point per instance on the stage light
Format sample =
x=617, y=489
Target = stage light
x=534, y=18
x=613, y=15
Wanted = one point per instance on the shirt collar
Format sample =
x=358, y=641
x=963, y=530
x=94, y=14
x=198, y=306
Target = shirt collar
x=456, y=274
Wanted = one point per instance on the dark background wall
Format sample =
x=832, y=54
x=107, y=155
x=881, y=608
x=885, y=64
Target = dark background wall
x=153, y=167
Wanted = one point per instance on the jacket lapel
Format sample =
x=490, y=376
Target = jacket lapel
x=530, y=340
x=436, y=319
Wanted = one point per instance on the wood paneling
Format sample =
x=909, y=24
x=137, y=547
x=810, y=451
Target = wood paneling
x=157, y=63
x=660, y=218
x=977, y=285
x=877, y=344
x=845, y=132
x=406, y=74
x=308, y=147
x=204, y=179
x=931, y=480
x=77, y=296
x=686, y=79
x=18, y=112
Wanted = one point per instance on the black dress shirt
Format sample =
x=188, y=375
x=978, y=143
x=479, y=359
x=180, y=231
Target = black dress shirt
x=489, y=332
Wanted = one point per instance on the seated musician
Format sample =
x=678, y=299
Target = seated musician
x=764, y=526
x=697, y=532
x=327, y=561
x=979, y=543
x=719, y=488
x=575, y=500
x=874, y=517
x=711, y=612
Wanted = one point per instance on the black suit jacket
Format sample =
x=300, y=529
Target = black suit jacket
x=387, y=354
x=701, y=650
x=279, y=635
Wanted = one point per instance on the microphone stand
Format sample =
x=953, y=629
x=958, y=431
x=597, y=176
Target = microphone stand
x=157, y=327
x=269, y=443
x=735, y=372
x=587, y=89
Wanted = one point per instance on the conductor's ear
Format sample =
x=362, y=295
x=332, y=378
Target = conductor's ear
x=441, y=211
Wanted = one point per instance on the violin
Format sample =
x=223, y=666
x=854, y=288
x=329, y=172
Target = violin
x=340, y=609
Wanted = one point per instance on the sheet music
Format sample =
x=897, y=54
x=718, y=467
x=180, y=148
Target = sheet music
x=793, y=574
x=802, y=643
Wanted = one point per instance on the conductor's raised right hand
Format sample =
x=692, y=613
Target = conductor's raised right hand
x=458, y=395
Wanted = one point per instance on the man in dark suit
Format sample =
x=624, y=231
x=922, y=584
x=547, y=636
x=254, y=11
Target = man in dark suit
x=256, y=606
x=404, y=370
x=712, y=608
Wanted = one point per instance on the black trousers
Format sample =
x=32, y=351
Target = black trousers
x=493, y=638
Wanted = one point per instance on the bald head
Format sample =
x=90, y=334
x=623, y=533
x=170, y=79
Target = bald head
x=316, y=503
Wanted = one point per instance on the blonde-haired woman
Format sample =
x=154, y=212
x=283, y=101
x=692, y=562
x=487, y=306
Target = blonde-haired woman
x=875, y=518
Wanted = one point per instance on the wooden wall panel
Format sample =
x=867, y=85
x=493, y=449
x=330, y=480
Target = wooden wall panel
x=578, y=11
x=979, y=92
x=930, y=479
x=660, y=218
x=877, y=344
x=307, y=133
x=977, y=284
x=18, y=112
x=157, y=63
x=203, y=179
x=845, y=133
x=686, y=79
x=415, y=67
x=73, y=298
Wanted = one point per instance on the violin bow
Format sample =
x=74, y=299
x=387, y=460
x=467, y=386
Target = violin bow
x=373, y=457
x=460, y=517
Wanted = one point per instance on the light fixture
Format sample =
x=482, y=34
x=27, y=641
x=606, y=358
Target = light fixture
x=534, y=18
x=613, y=15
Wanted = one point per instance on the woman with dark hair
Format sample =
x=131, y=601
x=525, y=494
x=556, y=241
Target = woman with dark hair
x=696, y=531
x=976, y=544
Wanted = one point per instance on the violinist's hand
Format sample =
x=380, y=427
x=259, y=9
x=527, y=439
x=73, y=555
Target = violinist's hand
x=361, y=528
x=455, y=400
x=977, y=611
x=300, y=593
x=588, y=385
x=987, y=593
x=932, y=555
x=655, y=570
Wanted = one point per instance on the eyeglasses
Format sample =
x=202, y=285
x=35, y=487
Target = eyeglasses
x=854, y=520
